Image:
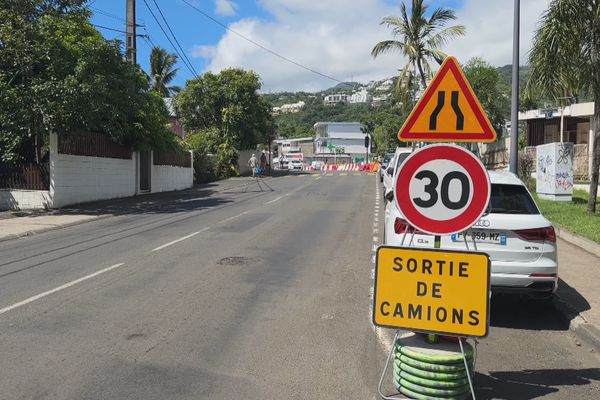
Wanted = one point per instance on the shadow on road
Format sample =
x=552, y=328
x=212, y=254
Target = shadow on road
x=522, y=313
x=572, y=297
x=530, y=384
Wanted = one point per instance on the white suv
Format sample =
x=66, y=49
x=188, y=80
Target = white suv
x=521, y=243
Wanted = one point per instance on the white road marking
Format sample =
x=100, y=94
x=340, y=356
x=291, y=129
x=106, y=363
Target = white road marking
x=376, y=219
x=373, y=259
x=375, y=230
x=375, y=239
x=179, y=240
x=233, y=217
x=375, y=248
x=57, y=289
x=274, y=200
x=372, y=274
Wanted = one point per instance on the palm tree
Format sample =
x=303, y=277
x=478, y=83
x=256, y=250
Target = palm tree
x=564, y=62
x=162, y=72
x=418, y=38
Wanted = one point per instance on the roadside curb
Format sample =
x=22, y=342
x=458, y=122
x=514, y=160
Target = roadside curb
x=52, y=228
x=586, y=244
x=586, y=332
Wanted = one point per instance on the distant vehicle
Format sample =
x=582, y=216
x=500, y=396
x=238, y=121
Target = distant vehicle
x=384, y=164
x=521, y=243
x=390, y=172
x=295, y=165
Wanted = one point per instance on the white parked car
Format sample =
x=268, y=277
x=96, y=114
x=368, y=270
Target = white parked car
x=295, y=165
x=390, y=172
x=521, y=243
x=384, y=164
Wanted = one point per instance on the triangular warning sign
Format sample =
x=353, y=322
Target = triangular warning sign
x=448, y=111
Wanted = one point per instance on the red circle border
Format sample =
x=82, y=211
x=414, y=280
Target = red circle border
x=477, y=173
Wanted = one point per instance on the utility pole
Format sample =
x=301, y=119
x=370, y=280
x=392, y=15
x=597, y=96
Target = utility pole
x=514, y=109
x=131, y=53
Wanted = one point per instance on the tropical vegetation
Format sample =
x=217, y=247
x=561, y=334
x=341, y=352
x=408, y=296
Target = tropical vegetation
x=162, y=71
x=418, y=35
x=58, y=74
x=564, y=63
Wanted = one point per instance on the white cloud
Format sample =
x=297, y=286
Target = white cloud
x=335, y=37
x=226, y=8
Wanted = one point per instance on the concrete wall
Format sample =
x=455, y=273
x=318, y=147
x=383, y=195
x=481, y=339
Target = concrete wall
x=166, y=178
x=15, y=199
x=79, y=179
x=243, y=157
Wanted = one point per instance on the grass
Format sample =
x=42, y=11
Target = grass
x=572, y=216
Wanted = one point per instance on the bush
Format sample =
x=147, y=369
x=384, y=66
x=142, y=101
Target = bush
x=526, y=168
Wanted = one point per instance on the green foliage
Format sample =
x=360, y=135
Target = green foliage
x=489, y=89
x=227, y=158
x=385, y=124
x=418, y=38
x=162, y=71
x=229, y=102
x=573, y=215
x=57, y=74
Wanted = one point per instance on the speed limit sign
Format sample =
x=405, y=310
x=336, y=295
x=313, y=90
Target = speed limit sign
x=442, y=189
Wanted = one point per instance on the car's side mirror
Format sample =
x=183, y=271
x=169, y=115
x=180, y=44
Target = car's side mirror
x=390, y=171
x=389, y=196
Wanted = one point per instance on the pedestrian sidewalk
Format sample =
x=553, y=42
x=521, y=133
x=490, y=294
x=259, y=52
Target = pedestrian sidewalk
x=15, y=224
x=578, y=294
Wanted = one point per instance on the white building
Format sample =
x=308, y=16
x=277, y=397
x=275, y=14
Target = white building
x=361, y=96
x=335, y=98
x=347, y=137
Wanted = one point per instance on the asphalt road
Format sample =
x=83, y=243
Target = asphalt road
x=257, y=292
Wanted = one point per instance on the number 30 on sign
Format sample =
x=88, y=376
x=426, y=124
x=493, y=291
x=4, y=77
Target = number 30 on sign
x=442, y=189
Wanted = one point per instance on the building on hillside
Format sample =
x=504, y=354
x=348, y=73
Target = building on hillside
x=289, y=108
x=174, y=122
x=361, y=96
x=335, y=98
x=345, y=140
x=379, y=100
x=295, y=146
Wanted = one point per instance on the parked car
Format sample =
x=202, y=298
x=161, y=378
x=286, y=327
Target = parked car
x=384, y=164
x=521, y=243
x=295, y=165
x=390, y=172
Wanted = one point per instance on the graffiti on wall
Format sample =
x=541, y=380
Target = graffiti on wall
x=555, y=169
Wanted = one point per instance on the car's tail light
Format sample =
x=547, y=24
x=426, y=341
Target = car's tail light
x=401, y=226
x=545, y=234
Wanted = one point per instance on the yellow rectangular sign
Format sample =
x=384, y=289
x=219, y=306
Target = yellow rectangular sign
x=437, y=291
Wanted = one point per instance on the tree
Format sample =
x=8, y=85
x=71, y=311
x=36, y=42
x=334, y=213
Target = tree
x=564, y=60
x=419, y=38
x=486, y=83
x=229, y=102
x=162, y=71
x=57, y=74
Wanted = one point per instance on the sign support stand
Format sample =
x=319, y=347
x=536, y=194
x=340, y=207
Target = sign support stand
x=432, y=337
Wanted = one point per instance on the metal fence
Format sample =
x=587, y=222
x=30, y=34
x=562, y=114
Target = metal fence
x=25, y=177
x=92, y=144
x=175, y=158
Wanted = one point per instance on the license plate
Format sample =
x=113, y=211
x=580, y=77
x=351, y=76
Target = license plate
x=481, y=237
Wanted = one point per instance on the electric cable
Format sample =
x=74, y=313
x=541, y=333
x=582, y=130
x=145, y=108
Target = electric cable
x=169, y=39
x=261, y=46
x=173, y=34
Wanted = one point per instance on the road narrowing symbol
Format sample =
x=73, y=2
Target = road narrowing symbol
x=432, y=291
x=448, y=111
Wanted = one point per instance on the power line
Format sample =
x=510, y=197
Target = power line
x=261, y=46
x=174, y=37
x=169, y=39
x=117, y=30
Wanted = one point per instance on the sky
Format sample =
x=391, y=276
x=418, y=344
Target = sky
x=307, y=45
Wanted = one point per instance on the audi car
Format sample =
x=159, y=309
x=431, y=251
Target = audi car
x=521, y=243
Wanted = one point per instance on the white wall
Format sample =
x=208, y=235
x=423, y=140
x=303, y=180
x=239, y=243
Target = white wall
x=79, y=179
x=243, y=157
x=15, y=199
x=166, y=178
